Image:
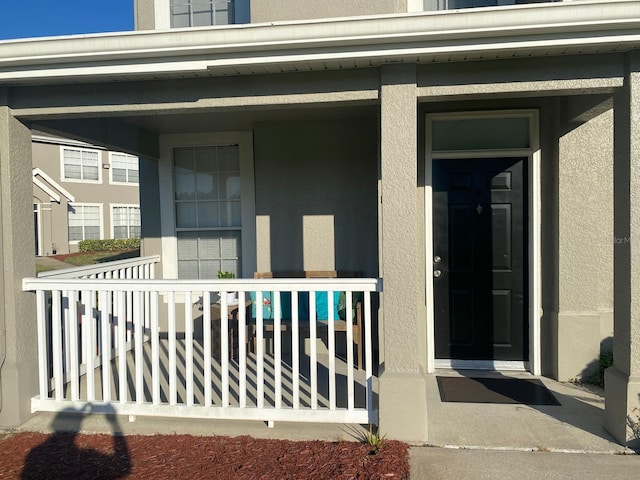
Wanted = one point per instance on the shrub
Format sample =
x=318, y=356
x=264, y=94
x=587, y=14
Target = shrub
x=606, y=361
x=109, y=245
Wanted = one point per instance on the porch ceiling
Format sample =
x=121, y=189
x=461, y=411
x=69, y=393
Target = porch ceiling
x=548, y=29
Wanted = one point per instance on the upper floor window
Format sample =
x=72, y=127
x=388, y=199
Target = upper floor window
x=455, y=4
x=124, y=168
x=201, y=13
x=80, y=164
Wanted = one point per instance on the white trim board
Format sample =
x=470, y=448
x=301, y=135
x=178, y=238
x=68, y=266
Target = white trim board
x=533, y=215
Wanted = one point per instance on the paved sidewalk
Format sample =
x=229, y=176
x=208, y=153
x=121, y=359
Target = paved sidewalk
x=434, y=463
x=51, y=263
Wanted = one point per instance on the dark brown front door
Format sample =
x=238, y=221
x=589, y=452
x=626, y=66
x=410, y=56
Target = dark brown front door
x=480, y=259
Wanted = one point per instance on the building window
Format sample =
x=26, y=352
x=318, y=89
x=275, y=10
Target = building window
x=208, y=210
x=126, y=221
x=84, y=222
x=201, y=13
x=80, y=164
x=124, y=168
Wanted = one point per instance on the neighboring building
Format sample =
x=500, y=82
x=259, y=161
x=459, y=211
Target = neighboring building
x=82, y=192
x=466, y=157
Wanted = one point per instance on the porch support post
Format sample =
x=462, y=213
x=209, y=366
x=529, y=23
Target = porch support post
x=402, y=378
x=18, y=357
x=622, y=381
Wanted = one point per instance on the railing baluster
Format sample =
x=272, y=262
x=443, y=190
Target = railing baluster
x=72, y=299
x=104, y=306
x=332, y=350
x=259, y=349
x=56, y=347
x=313, y=350
x=277, y=341
x=173, y=384
x=350, y=367
x=188, y=339
x=89, y=333
x=295, y=349
x=155, y=349
x=206, y=331
x=242, y=349
x=138, y=336
x=66, y=340
x=43, y=367
x=224, y=347
x=122, y=350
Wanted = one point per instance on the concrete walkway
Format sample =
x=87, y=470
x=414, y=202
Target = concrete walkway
x=50, y=263
x=455, y=464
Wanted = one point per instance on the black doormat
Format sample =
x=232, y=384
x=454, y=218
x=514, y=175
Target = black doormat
x=495, y=390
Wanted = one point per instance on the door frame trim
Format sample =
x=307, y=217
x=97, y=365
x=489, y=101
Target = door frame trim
x=533, y=217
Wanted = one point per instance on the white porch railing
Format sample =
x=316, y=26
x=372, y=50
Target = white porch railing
x=140, y=347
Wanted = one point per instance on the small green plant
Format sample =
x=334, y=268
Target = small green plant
x=227, y=275
x=374, y=440
x=606, y=361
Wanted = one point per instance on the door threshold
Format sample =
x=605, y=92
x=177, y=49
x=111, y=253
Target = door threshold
x=494, y=365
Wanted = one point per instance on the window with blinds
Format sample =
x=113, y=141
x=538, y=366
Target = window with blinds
x=80, y=164
x=207, y=210
x=201, y=13
x=84, y=222
x=124, y=168
x=125, y=221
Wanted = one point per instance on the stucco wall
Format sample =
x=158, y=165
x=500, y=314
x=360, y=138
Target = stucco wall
x=144, y=14
x=18, y=358
x=316, y=187
x=585, y=244
x=276, y=10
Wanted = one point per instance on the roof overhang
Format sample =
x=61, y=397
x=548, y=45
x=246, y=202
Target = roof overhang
x=458, y=35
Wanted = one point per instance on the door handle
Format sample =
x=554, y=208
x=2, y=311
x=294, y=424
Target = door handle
x=437, y=273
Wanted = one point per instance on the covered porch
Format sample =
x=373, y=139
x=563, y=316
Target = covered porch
x=335, y=165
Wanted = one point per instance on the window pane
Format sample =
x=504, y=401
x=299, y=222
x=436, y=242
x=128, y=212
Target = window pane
x=118, y=175
x=90, y=172
x=208, y=214
x=120, y=232
x=187, y=245
x=75, y=233
x=230, y=214
x=230, y=186
x=183, y=160
x=188, y=269
x=209, y=245
x=185, y=186
x=72, y=171
x=207, y=185
x=134, y=176
x=92, y=233
x=186, y=215
x=209, y=268
x=480, y=133
x=229, y=158
x=206, y=159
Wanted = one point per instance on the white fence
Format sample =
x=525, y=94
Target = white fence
x=141, y=346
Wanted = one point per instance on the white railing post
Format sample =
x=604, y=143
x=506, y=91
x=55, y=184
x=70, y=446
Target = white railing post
x=43, y=368
x=188, y=339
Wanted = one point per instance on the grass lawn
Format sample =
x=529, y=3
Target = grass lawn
x=91, y=258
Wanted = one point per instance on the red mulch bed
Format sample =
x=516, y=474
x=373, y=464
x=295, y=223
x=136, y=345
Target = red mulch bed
x=69, y=456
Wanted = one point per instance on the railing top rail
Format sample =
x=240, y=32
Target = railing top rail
x=76, y=272
x=170, y=285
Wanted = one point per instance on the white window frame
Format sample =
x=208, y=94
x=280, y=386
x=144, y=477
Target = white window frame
x=80, y=180
x=112, y=206
x=168, y=142
x=534, y=224
x=111, y=180
x=80, y=204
